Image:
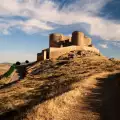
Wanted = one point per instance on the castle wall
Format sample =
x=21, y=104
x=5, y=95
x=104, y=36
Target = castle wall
x=56, y=52
x=87, y=41
x=57, y=40
x=43, y=55
x=60, y=44
x=66, y=38
x=44, y=52
x=39, y=57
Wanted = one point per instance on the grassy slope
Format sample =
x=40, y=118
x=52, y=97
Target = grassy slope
x=49, y=86
x=4, y=68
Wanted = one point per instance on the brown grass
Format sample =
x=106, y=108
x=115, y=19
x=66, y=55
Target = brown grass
x=4, y=68
x=51, y=88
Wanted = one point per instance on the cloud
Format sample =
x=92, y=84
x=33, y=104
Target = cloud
x=34, y=25
x=41, y=13
x=103, y=46
x=116, y=44
x=28, y=26
x=5, y=32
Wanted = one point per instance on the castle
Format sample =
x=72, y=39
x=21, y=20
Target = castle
x=60, y=44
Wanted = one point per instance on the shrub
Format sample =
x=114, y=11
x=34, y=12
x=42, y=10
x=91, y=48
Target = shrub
x=26, y=61
x=18, y=63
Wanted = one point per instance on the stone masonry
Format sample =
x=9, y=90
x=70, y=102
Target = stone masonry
x=60, y=44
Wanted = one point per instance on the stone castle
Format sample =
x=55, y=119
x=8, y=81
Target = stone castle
x=60, y=44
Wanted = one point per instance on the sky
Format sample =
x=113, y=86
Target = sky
x=25, y=25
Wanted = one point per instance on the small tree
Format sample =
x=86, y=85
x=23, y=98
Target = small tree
x=26, y=61
x=18, y=63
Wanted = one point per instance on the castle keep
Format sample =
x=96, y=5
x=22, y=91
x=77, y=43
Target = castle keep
x=60, y=44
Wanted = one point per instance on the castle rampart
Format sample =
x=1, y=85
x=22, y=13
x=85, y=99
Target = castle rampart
x=60, y=44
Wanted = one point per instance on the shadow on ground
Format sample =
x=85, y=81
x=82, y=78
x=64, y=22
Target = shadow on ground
x=9, y=84
x=50, y=89
x=104, y=100
x=21, y=71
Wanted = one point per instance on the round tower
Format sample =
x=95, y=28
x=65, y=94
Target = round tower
x=54, y=39
x=78, y=38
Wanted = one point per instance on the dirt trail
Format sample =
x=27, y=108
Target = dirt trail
x=91, y=99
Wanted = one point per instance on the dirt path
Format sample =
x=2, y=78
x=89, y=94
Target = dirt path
x=96, y=98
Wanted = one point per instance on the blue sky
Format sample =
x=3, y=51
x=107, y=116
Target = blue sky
x=26, y=24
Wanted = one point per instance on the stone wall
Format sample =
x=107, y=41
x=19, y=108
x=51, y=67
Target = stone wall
x=78, y=38
x=60, y=44
x=87, y=41
x=39, y=57
x=56, y=52
x=58, y=40
x=43, y=55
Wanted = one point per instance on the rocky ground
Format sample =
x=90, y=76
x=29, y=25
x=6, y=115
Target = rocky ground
x=85, y=87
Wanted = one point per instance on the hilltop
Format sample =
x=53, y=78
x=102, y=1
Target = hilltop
x=79, y=88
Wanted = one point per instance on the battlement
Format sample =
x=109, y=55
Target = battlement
x=78, y=39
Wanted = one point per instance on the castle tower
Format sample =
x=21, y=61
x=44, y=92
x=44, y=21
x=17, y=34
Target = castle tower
x=54, y=39
x=78, y=38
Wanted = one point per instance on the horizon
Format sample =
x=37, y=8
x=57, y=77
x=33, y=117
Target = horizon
x=26, y=24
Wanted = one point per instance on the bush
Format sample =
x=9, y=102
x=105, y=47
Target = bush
x=18, y=63
x=26, y=61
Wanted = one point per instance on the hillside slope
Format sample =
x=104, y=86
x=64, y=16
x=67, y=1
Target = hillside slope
x=64, y=90
x=4, y=68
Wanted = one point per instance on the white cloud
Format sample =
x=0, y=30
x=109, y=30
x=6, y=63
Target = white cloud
x=41, y=12
x=116, y=43
x=103, y=46
x=28, y=26
x=34, y=25
x=38, y=23
x=5, y=32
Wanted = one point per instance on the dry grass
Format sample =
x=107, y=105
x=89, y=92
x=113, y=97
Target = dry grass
x=4, y=68
x=51, y=89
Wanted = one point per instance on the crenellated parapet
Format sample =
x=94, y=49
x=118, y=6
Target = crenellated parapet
x=58, y=40
x=78, y=39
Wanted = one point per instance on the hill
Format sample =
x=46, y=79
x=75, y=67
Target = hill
x=4, y=67
x=85, y=87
